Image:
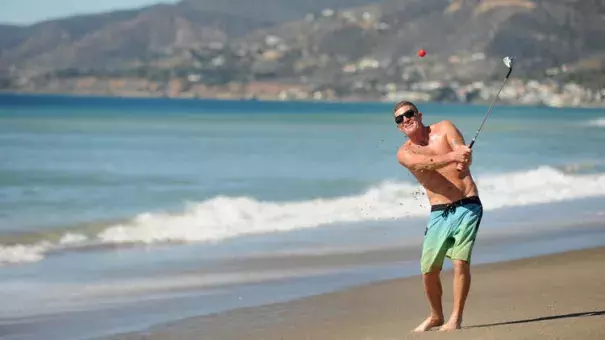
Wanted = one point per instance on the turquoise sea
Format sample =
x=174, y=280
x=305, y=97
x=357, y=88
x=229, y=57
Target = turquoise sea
x=117, y=214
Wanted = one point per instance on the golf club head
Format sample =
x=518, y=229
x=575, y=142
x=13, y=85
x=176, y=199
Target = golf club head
x=508, y=61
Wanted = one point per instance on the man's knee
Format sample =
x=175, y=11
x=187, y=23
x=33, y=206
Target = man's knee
x=432, y=273
x=461, y=266
x=432, y=281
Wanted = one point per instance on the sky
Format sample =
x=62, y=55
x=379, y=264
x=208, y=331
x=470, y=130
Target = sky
x=24, y=12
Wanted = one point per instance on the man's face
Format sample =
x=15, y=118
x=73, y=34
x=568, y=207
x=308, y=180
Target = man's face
x=407, y=119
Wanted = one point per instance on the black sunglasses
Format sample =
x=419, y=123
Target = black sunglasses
x=407, y=114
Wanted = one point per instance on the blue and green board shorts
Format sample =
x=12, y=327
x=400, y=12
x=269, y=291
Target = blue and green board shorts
x=451, y=231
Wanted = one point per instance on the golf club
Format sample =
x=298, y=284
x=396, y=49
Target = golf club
x=508, y=61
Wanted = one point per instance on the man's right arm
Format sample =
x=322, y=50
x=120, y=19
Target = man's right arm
x=414, y=161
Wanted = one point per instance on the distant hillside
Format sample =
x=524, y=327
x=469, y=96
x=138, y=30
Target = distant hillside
x=110, y=40
x=275, y=11
x=465, y=40
x=540, y=34
x=117, y=38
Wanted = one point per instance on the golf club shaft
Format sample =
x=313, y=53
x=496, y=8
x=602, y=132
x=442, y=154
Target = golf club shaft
x=490, y=108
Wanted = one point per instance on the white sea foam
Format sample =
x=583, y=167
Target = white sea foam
x=20, y=253
x=224, y=217
x=597, y=122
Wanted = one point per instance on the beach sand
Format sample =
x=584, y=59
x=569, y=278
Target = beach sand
x=559, y=296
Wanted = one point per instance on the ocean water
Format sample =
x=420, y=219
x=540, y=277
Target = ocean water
x=173, y=208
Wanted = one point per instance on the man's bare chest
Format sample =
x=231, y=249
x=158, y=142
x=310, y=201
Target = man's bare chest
x=437, y=146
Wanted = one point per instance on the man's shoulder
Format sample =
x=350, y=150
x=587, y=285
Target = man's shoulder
x=403, y=148
x=444, y=124
x=406, y=145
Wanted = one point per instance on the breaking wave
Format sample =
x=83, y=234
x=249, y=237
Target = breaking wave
x=225, y=217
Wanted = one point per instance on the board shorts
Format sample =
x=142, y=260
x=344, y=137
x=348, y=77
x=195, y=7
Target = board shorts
x=451, y=232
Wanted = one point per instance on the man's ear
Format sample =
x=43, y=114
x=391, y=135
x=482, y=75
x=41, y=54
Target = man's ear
x=419, y=115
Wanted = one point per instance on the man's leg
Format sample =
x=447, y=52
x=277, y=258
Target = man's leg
x=460, y=253
x=462, y=284
x=433, y=290
x=434, y=247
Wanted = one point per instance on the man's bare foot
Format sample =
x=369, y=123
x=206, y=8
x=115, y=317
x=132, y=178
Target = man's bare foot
x=429, y=323
x=451, y=325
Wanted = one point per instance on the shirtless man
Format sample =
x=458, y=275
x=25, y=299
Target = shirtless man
x=439, y=159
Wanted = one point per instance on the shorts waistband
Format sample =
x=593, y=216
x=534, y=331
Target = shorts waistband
x=466, y=200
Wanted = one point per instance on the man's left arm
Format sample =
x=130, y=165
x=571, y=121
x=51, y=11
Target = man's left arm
x=456, y=139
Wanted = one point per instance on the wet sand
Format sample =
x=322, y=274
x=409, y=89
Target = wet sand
x=559, y=296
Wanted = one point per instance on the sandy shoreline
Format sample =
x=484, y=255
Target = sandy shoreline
x=558, y=296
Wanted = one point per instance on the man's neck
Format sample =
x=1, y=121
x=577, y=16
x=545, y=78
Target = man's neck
x=421, y=137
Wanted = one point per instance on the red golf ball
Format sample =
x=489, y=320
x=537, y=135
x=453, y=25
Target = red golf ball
x=421, y=53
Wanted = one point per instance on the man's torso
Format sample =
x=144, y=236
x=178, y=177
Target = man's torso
x=447, y=184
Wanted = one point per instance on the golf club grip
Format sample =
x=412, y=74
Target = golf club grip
x=471, y=144
x=509, y=72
